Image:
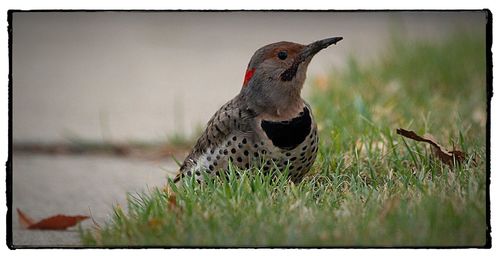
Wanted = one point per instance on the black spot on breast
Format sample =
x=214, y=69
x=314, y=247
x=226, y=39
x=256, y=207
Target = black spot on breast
x=288, y=135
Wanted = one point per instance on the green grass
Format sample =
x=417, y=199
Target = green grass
x=368, y=187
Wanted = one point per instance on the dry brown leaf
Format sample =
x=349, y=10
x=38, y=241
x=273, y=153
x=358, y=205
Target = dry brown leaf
x=444, y=155
x=57, y=222
x=24, y=220
x=172, y=200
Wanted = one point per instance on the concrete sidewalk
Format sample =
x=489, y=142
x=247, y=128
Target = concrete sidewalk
x=46, y=185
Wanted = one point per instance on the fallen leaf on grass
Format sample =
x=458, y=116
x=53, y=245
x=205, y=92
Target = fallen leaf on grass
x=172, y=200
x=57, y=222
x=444, y=155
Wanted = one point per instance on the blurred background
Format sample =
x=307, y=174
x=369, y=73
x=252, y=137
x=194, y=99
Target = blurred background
x=147, y=76
x=102, y=101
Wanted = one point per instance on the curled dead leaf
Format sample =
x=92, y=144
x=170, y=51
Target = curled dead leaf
x=447, y=157
x=57, y=222
x=172, y=200
x=24, y=220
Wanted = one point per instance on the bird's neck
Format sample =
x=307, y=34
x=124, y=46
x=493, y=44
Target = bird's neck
x=283, y=114
x=282, y=109
x=274, y=101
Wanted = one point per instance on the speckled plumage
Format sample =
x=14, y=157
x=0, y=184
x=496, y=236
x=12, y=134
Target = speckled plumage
x=267, y=124
x=235, y=134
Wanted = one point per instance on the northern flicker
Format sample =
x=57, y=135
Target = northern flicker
x=268, y=124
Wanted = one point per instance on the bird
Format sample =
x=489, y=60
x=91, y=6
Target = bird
x=268, y=124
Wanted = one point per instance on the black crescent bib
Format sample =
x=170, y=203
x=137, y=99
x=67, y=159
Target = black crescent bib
x=288, y=134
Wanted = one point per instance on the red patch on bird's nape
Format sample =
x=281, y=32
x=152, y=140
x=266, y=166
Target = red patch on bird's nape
x=248, y=76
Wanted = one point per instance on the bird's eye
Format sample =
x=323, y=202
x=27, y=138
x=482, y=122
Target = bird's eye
x=282, y=55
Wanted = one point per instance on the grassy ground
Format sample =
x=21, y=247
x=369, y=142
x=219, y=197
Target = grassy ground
x=368, y=187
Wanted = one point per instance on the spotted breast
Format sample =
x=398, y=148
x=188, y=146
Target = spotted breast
x=249, y=141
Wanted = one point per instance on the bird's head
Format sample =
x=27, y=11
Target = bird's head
x=276, y=74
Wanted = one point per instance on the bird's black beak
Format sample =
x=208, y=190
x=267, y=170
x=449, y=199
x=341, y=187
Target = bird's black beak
x=306, y=54
x=313, y=48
